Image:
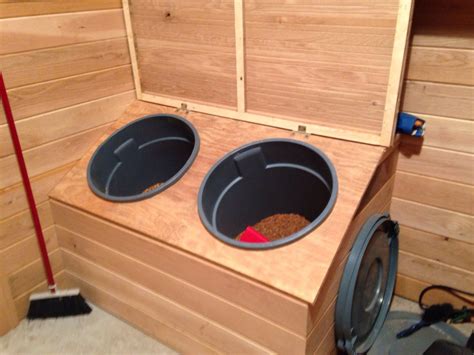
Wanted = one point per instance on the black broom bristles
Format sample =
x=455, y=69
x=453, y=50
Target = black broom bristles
x=55, y=305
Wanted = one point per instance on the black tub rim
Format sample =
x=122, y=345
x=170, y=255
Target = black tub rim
x=283, y=241
x=171, y=181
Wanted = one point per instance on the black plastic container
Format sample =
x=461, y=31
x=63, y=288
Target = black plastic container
x=153, y=149
x=265, y=178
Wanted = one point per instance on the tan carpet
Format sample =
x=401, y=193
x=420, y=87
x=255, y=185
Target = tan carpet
x=97, y=333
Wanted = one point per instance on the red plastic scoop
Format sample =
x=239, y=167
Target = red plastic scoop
x=250, y=235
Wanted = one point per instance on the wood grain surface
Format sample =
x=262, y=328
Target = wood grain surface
x=334, y=66
x=180, y=225
x=186, y=49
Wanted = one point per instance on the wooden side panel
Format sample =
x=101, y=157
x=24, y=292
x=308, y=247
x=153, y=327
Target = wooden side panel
x=434, y=190
x=140, y=319
x=186, y=49
x=214, y=308
x=376, y=200
x=283, y=310
x=161, y=308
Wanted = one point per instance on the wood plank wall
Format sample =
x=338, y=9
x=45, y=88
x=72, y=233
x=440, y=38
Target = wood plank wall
x=434, y=190
x=67, y=69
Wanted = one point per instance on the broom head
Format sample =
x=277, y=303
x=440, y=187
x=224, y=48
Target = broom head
x=59, y=304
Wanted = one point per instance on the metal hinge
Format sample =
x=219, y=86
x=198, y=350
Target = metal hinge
x=183, y=108
x=301, y=130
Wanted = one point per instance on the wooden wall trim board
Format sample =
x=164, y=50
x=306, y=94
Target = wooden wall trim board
x=52, y=95
x=435, y=192
x=397, y=69
x=441, y=65
x=240, y=53
x=131, y=48
x=13, y=199
x=23, y=34
x=438, y=99
x=437, y=162
x=26, y=251
x=442, y=249
x=33, y=274
x=447, y=133
x=411, y=288
x=33, y=67
x=434, y=220
x=17, y=227
x=50, y=155
x=10, y=8
x=454, y=37
x=54, y=125
x=434, y=272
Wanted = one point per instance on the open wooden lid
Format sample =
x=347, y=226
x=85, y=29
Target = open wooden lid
x=331, y=67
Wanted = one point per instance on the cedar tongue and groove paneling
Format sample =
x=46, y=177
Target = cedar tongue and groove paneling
x=332, y=66
x=186, y=49
x=323, y=62
x=434, y=189
x=67, y=70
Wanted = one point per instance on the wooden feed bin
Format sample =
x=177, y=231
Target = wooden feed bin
x=328, y=76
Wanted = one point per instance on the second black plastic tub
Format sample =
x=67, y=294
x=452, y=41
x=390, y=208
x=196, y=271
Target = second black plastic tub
x=264, y=178
x=143, y=158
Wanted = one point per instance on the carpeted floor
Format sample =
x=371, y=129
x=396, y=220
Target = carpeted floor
x=96, y=333
x=102, y=333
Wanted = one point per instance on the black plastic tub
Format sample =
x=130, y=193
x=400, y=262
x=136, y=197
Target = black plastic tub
x=265, y=178
x=155, y=149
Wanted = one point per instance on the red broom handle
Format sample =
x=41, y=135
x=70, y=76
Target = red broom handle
x=27, y=185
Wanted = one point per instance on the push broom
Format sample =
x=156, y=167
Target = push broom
x=54, y=303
